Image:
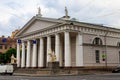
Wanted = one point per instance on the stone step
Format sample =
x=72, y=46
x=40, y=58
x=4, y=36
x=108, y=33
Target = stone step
x=60, y=71
x=46, y=71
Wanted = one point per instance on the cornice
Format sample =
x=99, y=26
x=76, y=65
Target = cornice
x=62, y=25
x=71, y=28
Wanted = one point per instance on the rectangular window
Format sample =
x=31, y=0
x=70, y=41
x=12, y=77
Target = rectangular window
x=97, y=55
x=5, y=46
x=0, y=46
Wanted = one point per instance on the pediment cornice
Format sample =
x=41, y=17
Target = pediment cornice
x=35, y=18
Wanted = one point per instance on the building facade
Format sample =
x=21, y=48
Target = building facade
x=76, y=44
x=8, y=42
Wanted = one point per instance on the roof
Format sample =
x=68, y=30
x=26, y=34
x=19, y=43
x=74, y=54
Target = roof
x=62, y=21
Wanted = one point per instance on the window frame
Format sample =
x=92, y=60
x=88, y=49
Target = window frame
x=97, y=56
x=1, y=46
x=97, y=41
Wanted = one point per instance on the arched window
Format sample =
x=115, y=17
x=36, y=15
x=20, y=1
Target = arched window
x=97, y=41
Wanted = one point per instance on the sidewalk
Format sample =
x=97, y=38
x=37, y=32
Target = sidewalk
x=42, y=75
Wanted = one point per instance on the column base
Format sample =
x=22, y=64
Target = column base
x=34, y=67
x=22, y=67
x=28, y=67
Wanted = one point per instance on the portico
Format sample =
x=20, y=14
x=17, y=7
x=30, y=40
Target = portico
x=37, y=49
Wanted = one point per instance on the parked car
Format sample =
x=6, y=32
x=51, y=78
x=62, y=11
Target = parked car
x=117, y=70
x=6, y=69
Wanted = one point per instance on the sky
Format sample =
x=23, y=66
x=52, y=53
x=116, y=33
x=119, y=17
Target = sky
x=14, y=14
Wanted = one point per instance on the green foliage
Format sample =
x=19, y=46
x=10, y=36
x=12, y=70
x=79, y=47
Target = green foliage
x=8, y=54
x=2, y=58
x=103, y=55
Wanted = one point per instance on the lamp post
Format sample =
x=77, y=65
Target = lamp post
x=106, y=47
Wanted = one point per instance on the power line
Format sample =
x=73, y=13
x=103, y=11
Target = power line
x=112, y=13
x=87, y=5
x=103, y=14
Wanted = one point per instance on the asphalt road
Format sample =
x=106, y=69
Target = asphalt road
x=111, y=76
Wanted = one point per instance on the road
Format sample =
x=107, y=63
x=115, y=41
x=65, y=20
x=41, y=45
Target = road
x=110, y=76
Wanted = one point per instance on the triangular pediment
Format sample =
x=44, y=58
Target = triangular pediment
x=36, y=24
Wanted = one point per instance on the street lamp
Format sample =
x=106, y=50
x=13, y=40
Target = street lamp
x=106, y=46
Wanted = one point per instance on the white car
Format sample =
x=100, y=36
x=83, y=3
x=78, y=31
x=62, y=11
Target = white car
x=6, y=69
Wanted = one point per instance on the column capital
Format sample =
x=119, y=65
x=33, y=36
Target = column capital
x=23, y=41
x=66, y=31
x=27, y=40
x=80, y=33
x=56, y=33
x=48, y=36
x=41, y=37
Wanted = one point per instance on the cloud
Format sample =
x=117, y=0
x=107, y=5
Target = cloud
x=15, y=13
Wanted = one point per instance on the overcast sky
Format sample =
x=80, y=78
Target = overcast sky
x=15, y=13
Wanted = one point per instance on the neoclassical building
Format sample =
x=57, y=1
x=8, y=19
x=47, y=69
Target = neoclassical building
x=75, y=44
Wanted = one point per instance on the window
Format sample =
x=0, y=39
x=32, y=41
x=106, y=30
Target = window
x=97, y=41
x=118, y=44
x=5, y=46
x=0, y=46
x=97, y=56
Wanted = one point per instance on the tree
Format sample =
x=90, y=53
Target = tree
x=8, y=54
x=1, y=58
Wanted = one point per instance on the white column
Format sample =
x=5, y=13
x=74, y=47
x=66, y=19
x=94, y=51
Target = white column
x=48, y=47
x=57, y=47
x=79, y=50
x=28, y=54
x=67, y=50
x=23, y=55
x=34, y=56
x=18, y=54
x=41, y=54
x=61, y=53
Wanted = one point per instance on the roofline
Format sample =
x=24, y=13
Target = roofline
x=56, y=25
x=97, y=26
x=38, y=18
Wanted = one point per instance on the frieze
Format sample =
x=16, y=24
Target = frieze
x=72, y=28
